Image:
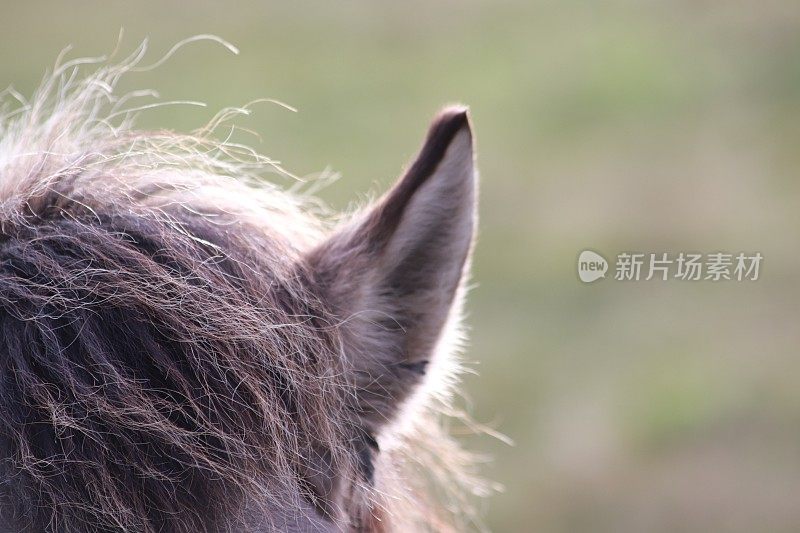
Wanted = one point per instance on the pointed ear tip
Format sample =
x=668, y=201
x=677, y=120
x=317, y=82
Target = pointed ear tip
x=456, y=114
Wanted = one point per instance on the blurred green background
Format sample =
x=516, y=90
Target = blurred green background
x=655, y=126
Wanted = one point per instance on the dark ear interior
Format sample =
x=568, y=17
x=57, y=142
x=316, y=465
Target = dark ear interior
x=392, y=273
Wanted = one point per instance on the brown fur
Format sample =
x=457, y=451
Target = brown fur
x=185, y=348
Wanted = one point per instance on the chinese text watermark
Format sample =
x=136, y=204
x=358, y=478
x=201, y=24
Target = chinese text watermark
x=683, y=266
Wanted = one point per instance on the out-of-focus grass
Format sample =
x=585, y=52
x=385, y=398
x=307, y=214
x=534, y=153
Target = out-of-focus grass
x=656, y=126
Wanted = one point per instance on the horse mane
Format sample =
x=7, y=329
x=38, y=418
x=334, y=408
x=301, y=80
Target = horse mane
x=165, y=363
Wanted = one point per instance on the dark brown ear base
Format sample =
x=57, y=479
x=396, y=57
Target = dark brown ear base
x=392, y=273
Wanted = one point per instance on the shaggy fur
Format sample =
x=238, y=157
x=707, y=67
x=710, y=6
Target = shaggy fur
x=185, y=348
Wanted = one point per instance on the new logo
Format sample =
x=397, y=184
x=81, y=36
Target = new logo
x=591, y=266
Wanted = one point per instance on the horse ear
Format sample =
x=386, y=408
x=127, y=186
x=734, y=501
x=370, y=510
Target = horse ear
x=392, y=273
